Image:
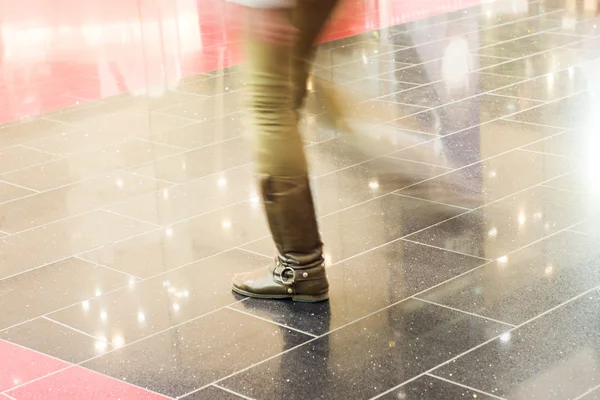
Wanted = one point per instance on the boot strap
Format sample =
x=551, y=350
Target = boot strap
x=279, y=275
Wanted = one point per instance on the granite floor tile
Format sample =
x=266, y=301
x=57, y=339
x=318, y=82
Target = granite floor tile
x=18, y=157
x=571, y=112
x=112, y=133
x=172, y=98
x=552, y=86
x=353, y=52
x=416, y=55
x=491, y=179
x=539, y=64
x=518, y=29
x=443, y=92
x=553, y=357
x=176, y=203
x=463, y=114
x=359, y=69
x=476, y=144
x=367, y=283
x=214, y=86
x=369, y=357
x=528, y=45
x=578, y=181
x=10, y=192
x=185, y=242
x=88, y=195
x=62, y=239
x=595, y=395
x=162, y=302
x=212, y=393
x=216, y=339
x=209, y=108
x=198, y=163
x=431, y=388
x=19, y=132
x=532, y=280
x=366, y=181
x=572, y=144
x=49, y=337
x=502, y=227
x=369, y=88
x=591, y=226
x=204, y=133
x=54, y=286
x=82, y=166
x=374, y=223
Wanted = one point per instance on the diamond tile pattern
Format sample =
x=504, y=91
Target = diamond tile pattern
x=460, y=219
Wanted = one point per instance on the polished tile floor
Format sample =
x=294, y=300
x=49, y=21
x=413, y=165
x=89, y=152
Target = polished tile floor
x=127, y=202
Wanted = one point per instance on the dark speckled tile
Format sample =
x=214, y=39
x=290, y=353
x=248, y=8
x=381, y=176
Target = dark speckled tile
x=51, y=338
x=159, y=303
x=369, y=357
x=528, y=45
x=431, y=388
x=530, y=282
x=571, y=112
x=185, y=242
x=212, y=393
x=367, y=283
x=195, y=354
x=376, y=222
x=539, y=64
x=573, y=144
x=475, y=144
x=443, y=92
x=595, y=395
x=463, y=114
x=507, y=225
x=549, y=87
x=492, y=179
x=366, y=181
x=54, y=286
x=552, y=358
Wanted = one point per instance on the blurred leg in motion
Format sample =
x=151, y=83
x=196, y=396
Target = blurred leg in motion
x=277, y=72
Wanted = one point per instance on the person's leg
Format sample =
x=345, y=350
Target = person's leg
x=310, y=17
x=298, y=272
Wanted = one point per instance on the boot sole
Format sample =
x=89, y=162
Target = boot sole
x=304, y=298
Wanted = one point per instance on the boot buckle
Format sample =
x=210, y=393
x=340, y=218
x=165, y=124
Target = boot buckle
x=283, y=279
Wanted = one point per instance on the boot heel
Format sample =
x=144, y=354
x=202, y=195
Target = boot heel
x=305, y=298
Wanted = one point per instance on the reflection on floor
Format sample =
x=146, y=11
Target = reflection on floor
x=123, y=218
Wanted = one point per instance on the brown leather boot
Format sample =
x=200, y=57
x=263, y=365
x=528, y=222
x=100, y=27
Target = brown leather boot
x=298, y=272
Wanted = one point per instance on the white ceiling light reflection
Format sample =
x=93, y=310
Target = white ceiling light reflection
x=374, y=184
x=222, y=182
x=85, y=305
x=98, y=292
x=522, y=219
x=505, y=337
x=100, y=346
x=119, y=183
x=176, y=307
x=118, y=341
x=103, y=315
x=141, y=317
x=226, y=224
x=165, y=194
x=493, y=232
x=503, y=259
x=549, y=269
x=131, y=282
x=169, y=232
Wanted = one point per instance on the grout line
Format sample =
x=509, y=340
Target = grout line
x=418, y=162
x=232, y=392
x=523, y=148
x=75, y=330
x=254, y=252
x=493, y=93
x=465, y=386
x=463, y=311
x=20, y=186
x=398, y=193
x=127, y=274
x=448, y=250
x=562, y=130
x=272, y=322
x=108, y=211
x=25, y=146
x=582, y=396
